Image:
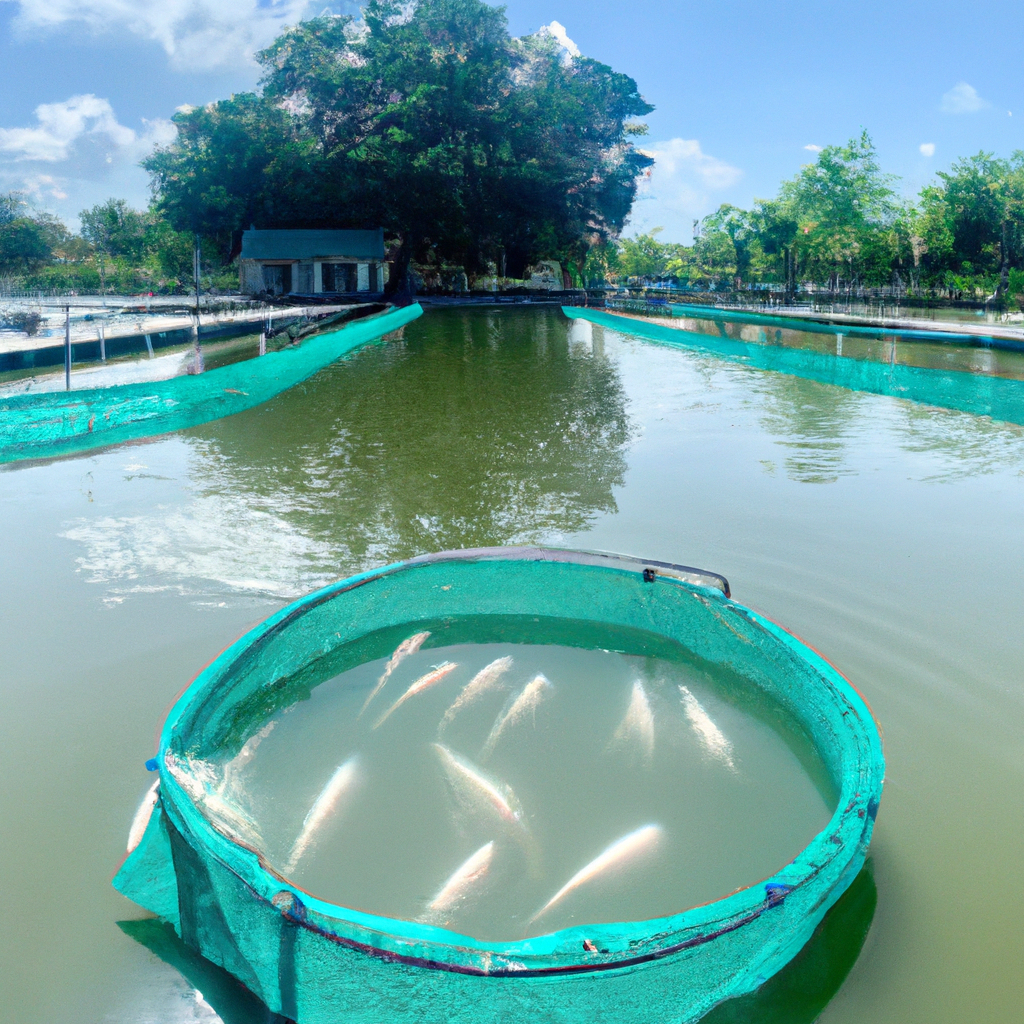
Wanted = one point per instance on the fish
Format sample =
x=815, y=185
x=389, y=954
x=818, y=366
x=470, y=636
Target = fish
x=242, y=758
x=141, y=820
x=527, y=701
x=497, y=795
x=199, y=779
x=632, y=845
x=710, y=736
x=637, y=725
x=402, y=651
x=468, y=874
x=423, y=683
x=488, y=678
x=340, y=783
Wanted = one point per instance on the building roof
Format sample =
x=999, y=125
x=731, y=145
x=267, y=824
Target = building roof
x=302, y=244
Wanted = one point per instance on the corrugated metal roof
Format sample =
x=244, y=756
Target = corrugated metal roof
x=302, y=244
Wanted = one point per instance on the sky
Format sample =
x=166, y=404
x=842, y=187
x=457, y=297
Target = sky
x=744, y=92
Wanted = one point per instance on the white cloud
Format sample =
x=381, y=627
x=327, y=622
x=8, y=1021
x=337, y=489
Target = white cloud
x=813, y=148
x=927, y=148
x=557, y=32
x=962, y=99
x=683, y=185
x=60, y=125
x=77, y=154
x=196, y=34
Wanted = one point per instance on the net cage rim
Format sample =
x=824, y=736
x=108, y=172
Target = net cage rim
x=838, y=847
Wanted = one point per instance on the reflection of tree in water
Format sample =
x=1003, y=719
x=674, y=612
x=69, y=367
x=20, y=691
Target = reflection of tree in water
x=814, y=421
x=960, y=444
x=480, y=428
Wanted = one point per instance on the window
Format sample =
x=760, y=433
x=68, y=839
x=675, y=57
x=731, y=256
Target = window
x=339, y=277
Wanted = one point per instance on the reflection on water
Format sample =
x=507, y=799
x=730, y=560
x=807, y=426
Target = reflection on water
x=813, y=424
x=479, y=428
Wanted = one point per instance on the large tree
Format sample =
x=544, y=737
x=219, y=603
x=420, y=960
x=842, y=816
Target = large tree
x=425, y=118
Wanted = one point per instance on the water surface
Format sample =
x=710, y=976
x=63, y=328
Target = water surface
x=886, y=534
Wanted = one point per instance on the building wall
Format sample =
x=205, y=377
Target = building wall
x=337, y=274
x=250, y=277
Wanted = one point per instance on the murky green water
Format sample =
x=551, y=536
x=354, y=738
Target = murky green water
x=886, y=534
x=533, y=758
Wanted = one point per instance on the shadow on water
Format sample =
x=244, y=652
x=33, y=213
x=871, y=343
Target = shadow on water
x=230, y=999
x=802, y=989
x=796, y=995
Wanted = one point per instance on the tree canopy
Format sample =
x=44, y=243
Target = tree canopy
x=426, y=118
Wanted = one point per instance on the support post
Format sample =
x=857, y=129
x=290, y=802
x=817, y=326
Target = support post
x=103, y=343
x=198, y=362
x=67, y=347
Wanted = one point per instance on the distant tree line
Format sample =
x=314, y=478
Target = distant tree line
x=840, y=225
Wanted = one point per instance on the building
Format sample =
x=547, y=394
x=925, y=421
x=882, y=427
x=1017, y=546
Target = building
x=312, y=262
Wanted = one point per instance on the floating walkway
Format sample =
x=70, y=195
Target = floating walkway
x=998, y=397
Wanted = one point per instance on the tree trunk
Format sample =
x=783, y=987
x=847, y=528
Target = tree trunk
x=399, y=287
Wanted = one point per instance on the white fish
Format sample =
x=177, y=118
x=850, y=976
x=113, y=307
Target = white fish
x=710, y=736
x=423, y=683
x=340, y=783
x=488, y=678
x=464, y=774
x=640, y=841
x=402, y=651
x=638, y=724
x=454, y=891
x=242, y=758
x=141, y=820
x=526, y=703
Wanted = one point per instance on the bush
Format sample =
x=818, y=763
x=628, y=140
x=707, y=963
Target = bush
x=22, y=321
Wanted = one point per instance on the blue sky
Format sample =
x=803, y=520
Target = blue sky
x=742, y=89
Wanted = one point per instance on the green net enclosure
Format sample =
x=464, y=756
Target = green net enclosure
x=999, y=397
x=42, y=426
x=196, y=858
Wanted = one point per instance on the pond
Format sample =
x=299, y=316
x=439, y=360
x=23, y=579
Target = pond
x=885, y=533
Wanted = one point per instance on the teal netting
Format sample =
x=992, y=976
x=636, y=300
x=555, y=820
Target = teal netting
x=812, y=326
x=999, y=397
x=315, y=962
x=60, y=423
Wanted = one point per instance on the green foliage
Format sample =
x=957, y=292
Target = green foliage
x=972, y=222
x=28, y=240
x=428, y=119
x=115, y=229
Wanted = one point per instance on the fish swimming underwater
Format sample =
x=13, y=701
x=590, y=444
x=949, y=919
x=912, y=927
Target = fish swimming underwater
x=423, y=683
x=636, y=843
x=408, y=646
x=456, y=889
x=710, y=736
x=488, y=678
x=231, y=782
x=526, y=703
x=637, y=726
x=467, y=778
x=338, y=785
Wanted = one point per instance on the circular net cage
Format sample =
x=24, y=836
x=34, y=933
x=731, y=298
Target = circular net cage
x=195, y=866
